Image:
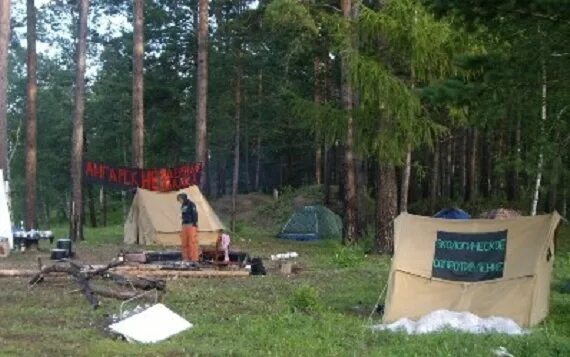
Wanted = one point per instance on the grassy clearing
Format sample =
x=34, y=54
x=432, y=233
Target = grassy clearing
x=321, y=311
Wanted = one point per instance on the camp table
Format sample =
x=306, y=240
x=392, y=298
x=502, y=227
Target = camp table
x=30, y=238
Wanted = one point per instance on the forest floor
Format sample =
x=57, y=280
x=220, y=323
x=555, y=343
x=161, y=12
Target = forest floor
x=322, y=310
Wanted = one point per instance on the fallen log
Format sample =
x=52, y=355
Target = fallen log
x=186, y=274
x=119, y=295
x=157, y=267
x=136, y=282
x=39, y=276
x=22, y=273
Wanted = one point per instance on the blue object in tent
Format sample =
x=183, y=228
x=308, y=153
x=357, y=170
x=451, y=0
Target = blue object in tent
x=452, y=213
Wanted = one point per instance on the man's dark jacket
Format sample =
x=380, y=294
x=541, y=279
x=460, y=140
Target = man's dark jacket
x=189, y=212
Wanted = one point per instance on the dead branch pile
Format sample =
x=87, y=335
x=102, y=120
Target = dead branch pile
x=83, y=275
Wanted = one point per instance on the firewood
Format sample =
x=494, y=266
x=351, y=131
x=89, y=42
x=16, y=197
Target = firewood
x=83, y=274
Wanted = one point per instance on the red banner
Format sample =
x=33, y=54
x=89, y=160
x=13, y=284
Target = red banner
x=163, y=179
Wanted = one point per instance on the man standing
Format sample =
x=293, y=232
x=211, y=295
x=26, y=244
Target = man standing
x=189, y=233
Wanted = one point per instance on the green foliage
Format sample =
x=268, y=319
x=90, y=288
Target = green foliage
x=349, y=256
x=417, y=39
x=325, y=121
x=280, y=210
x=391, y=52
x=305, y=300
x=293, y=19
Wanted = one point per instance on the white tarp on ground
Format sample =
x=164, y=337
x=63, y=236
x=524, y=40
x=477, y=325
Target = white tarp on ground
x=5, y=223
x=153, y=325
x=449, y=320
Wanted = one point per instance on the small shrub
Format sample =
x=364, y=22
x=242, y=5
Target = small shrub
x=349, y=257
x=305, y=300
x=368, y=241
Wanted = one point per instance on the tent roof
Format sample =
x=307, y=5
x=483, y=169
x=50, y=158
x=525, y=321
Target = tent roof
x=164, y=211
x=500, y=213
x=312, y=222
x=452, y=213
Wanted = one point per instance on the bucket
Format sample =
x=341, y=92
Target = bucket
x=58, y=254
x=66, y=245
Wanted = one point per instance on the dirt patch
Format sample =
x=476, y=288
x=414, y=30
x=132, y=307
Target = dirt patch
x=245, y=204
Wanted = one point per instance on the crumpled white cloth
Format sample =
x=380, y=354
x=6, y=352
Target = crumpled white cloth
x=450, y=320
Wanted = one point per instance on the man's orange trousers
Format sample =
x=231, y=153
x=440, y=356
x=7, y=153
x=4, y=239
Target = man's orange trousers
x=189, y=246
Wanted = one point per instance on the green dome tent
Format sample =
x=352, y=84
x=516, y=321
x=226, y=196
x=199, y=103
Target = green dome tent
x=310, y=223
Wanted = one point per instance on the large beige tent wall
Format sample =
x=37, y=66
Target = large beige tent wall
x=522, y=294
x=154, y=218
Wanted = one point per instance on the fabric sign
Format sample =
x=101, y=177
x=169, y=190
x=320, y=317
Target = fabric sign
x=157, y=179
x=469, y=256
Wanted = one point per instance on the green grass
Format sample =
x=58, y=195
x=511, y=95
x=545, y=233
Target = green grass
x=323, y=310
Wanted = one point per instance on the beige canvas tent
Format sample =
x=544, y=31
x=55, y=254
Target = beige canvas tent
x=487, y=267
x=154, y=218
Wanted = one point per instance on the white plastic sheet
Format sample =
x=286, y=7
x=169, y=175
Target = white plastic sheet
x=450, y=320
x=153, y=325
x=5, y=223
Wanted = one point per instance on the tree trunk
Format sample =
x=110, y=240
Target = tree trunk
x=138, y=80
x=341, y=175
x=540, y=155
x=257, y=163
x=518, y=160
x=448, y=166
x=553, y=200
x=434, y=186
x=4, y=45
x=488, y=182
x=329, y=155
x=405, y=188
x=463, y=164
x=235, y=179
x=92, y=207
x=103, y=204
x=222, y=179
x=318, y=164
x=362, y=183
x=318, y=99
x=31, y=119
x=246, y=154
x=47, y=208
x=564, y=210
x=202, y=93
x=500, y=184
x=386, y=208
x=350, y=190
x=258, y=140
x=76, y=232
x=472, y=177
